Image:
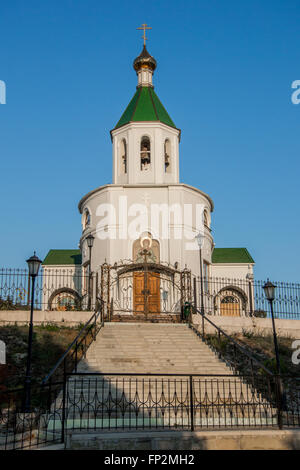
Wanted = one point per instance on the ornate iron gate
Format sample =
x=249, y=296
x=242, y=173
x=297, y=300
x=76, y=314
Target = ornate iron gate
x=147, y=288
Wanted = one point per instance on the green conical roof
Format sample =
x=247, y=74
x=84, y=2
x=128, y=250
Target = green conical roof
x=145, y=106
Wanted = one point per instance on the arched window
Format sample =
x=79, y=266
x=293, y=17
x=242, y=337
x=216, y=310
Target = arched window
x=86, y=219
x=123, y=155
x=205, y=218
x=145, y=154
x=167, y=152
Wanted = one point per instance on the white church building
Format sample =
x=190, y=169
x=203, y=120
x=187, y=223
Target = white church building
x=152, y=244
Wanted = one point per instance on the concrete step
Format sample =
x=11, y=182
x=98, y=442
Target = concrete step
x=156, y=348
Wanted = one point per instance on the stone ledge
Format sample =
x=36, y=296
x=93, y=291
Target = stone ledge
x=258, y=326
x=22, y=317
x=186, y=440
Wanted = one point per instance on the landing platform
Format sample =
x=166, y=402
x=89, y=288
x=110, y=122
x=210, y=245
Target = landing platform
x=150, y=318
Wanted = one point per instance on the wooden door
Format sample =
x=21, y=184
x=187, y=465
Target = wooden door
x=146, y=293
x=230, y=309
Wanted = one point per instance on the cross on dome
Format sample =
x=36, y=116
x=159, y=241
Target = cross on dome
x=144, y=27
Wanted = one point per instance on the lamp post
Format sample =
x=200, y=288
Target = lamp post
x=200, y=240
x=90, y=242
x=250, y=278
x=33, y=265
x=269, y=290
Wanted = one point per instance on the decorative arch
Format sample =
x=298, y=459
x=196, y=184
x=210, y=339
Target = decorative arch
x=64, y=298
x=86, y=219
x=146, y=280
x=205, y=218
x=145, y=153
x=230, y=301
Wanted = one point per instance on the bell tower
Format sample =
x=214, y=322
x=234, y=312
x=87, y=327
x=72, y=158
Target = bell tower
x=146, y=196
x=145, y=140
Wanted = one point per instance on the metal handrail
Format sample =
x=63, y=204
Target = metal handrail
x=93, y=320
x=231, y=340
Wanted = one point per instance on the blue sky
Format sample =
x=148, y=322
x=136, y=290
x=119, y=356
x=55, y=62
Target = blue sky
x=224, y=74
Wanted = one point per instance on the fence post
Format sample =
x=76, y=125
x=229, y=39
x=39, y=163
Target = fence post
x=279, y=395
x=111, y=310
x=250, y=298
x=102, y=313
x=195, y=293
x=28, y=290
x=76, y=356
x=191, y=402
x=96, y=288
x=64, y=404
x=95, y=326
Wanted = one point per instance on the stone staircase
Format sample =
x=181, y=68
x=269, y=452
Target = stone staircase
x=150, y=348
x=115, y=400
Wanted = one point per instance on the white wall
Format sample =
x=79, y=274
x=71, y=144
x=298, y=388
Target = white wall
x=59, y=276
x=232, y=270
x=157, y=133
x=114, y=250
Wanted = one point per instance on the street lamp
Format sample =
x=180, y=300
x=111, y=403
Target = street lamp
x=33, y=266
x=269, y=290
x=250, y=278
x=200, y=240
x=90, y=242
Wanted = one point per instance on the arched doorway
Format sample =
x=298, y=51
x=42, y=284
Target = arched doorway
x=231, y=301
x=146, y=283
x=64, y=299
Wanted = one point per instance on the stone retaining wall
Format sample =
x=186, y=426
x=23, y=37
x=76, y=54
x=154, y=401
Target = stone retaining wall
x=229, y=324
x=22, y=317
x=257, y=325
x=186, y=440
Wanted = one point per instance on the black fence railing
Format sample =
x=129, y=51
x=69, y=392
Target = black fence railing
x=68, y=362
x=45, y=422
x=238, y=358
x=70, y=289
x=246, y=298
x=188, y=402
x=55, y=289
x=91, y=402
x=21, y=430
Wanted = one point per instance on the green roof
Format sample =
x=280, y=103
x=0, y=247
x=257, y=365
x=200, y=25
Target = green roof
x=231, y=255
x=145, y=106
x=55, y=257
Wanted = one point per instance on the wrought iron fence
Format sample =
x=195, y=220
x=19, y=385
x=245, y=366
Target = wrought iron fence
x=90, y=402
x=168, y=401
x=144, y=288
x=245, y=297
x=55, y=289
x=21, y=430
x=163, y=289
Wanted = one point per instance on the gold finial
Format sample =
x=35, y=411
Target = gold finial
x=144, y=27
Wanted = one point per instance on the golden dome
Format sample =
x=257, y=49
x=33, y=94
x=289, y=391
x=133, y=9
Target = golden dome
x=144, y=60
